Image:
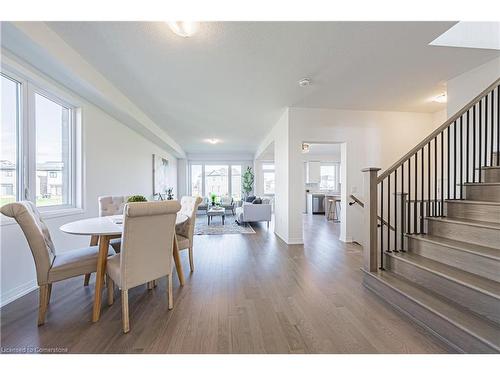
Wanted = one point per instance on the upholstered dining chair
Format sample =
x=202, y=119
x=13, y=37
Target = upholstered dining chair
x=147, y=250
x=50, y=266
x=189, y=207
x=112, y=205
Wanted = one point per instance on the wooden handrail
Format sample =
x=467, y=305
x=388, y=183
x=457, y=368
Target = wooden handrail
x=356, y=200
x=436, y=132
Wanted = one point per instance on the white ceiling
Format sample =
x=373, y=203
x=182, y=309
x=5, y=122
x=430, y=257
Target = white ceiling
x=233, y=79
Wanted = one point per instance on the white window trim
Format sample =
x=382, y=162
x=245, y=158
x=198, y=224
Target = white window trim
x=335, y=164
x=262, y=171
x=32, y=82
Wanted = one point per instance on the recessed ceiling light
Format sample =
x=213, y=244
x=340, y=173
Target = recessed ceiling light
x=212, y=141
x=184, y=28
x=443, y=98
x=304, y=82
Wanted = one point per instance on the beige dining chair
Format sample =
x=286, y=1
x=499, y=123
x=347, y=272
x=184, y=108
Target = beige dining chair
x=113, y=205
x=189, y=207
x=50, y=266
x=147, y=250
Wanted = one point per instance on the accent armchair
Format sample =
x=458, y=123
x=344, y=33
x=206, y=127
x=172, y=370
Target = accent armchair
x=50, y=266
x=189, y=207
x=147, y=250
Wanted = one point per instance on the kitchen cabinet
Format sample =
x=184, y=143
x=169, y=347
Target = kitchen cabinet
x=313, y=174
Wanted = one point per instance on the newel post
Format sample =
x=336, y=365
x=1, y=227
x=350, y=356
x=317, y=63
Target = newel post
x=370, y=211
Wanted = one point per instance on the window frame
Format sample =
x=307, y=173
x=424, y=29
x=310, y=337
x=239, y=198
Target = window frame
x=263, y=171
x=219, y=163
x=31, y=84
x=336, y=165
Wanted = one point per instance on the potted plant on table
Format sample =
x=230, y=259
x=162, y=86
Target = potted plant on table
x=136, y=198
x=213, y=199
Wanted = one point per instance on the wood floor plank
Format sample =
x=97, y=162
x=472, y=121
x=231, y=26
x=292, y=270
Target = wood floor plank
x=249, y=294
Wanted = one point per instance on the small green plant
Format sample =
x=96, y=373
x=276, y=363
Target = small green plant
x=137, y=198
x=170, y=193
x=248, y=179
x=213, y=198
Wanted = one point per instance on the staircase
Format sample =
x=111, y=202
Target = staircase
x=439, y=253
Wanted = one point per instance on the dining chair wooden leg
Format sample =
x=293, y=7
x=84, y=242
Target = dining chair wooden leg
x=42, y=303
x=191, y=260
x=86, y=279
x=49, y=293
x=126, y=325
x=110, y=285
x=170, y=293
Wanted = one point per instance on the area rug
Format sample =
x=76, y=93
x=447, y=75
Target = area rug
x=230, y=227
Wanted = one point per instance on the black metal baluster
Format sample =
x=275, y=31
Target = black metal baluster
x=455, y=160
x=441, y=211
x=428, y=179
x=402, y=206
x=408, y=228
x=461, y=157
x=382, y=225
x=498, y=126
x=415, y=222
x=448, y=162
x=474, y=143
x=389, y=214
x=422, y=193
x=467, y=173
x=434, y=205
x=491, y=125
x=480, y=141
x=485, y=163
x=395, y=210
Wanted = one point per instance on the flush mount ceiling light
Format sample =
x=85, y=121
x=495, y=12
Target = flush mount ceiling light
x=443, y=98
x=184, y=28
x=212, y=141
x=304, y=82
x=305, y=147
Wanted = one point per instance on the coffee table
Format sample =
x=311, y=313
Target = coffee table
x=216, y=211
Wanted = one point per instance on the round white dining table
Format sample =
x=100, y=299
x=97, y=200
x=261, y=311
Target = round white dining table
x=102, y=230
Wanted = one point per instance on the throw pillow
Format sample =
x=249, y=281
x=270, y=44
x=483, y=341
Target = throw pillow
x=257, y=201
x=251, y=198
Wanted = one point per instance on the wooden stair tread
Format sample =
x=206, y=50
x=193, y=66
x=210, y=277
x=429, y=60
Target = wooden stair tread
x=470, y=280
x=476, y=223
x=490, y=167
x=469, y=201
x=484, y=251
x=473, y=324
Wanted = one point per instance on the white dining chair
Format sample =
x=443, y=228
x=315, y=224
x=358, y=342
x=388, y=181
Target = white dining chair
x=146, y=253
x=189, y=207
x=113, y=205
x=50, y=266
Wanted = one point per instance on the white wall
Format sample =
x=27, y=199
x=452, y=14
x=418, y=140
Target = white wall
x=117, y=161
x=465, y=87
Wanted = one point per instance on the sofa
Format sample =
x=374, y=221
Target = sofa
x=254, y=212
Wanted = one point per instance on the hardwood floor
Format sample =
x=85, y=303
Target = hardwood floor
x=250, y=293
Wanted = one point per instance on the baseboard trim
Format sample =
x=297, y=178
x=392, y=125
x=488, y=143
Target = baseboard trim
x=290, y=241
x=17, y=292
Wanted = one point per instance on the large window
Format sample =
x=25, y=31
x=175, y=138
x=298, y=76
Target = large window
x=268, y=178
x=197, y=180
x=329, y=177
x=216, y=180
x=47, y=156
x=220, y=179
x=236, y=181
x=10, y=116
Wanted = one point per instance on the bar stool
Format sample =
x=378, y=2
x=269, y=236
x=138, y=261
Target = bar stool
x=333, y=210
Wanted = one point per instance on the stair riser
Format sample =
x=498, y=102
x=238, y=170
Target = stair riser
x=480, y=192
x=469, y=262
x=458, y=338
x=494, y=158
x=490, y=175
x=477, y=301
x=466, y=233
x=481, y=212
